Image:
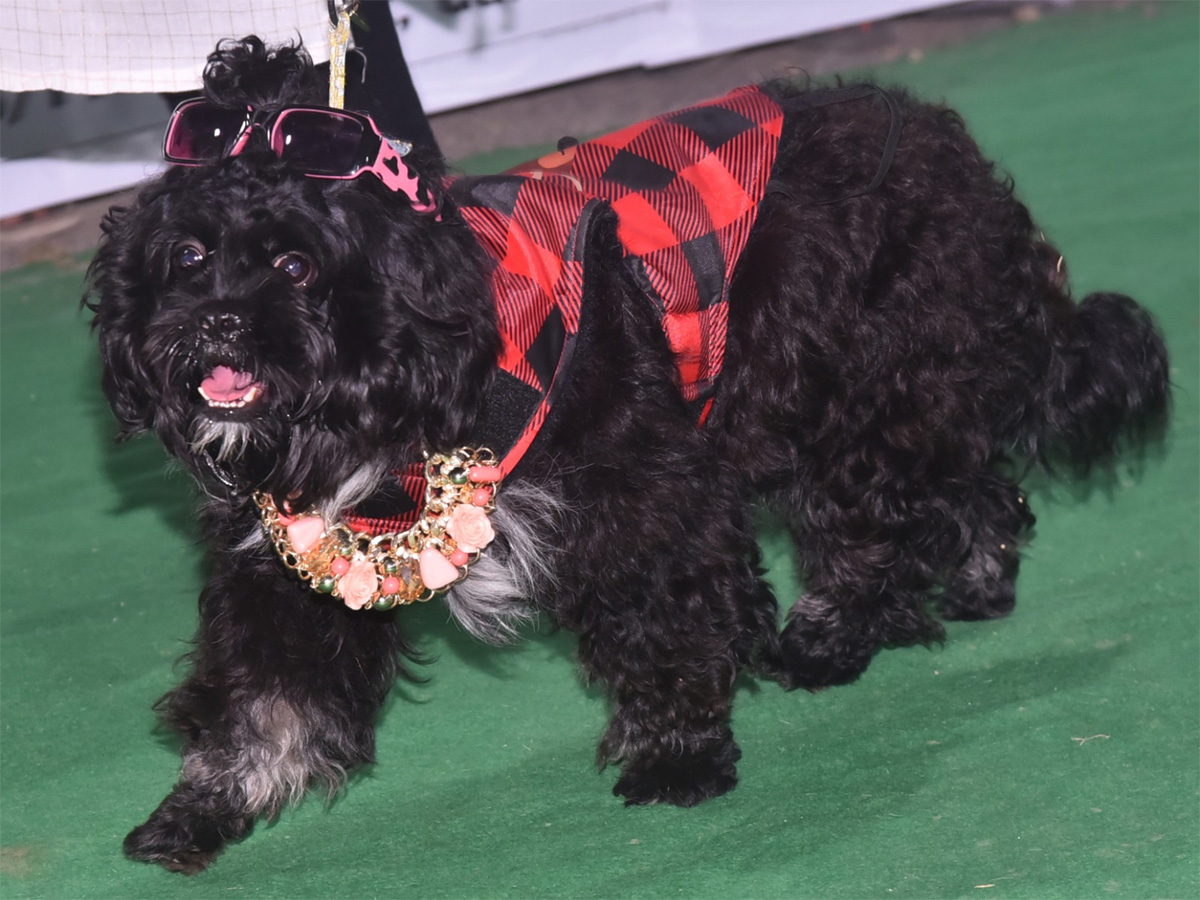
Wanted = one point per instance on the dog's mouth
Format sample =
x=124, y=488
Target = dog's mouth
x=229, y=389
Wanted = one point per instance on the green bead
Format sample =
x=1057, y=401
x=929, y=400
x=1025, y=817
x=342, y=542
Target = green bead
x=326, y=584
x=458, y=476
x=384, y=602
x=391, y=566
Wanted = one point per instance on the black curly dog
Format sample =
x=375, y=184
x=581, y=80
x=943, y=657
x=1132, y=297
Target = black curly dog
x=895, y=360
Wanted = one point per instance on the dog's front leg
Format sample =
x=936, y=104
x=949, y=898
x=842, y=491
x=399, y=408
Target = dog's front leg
x=669, y=607
x=669, y=650
x=283, y=691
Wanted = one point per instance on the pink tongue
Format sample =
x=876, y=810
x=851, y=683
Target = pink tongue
x=224, y=384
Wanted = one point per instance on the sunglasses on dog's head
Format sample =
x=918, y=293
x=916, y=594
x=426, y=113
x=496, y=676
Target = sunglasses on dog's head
x=317, y=141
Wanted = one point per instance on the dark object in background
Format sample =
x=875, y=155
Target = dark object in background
x=385, y=89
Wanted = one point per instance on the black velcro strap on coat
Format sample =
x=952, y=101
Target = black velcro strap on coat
x=815, y=99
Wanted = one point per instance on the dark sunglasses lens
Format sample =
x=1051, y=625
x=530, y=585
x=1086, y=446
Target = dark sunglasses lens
x=320, y=143
x=201, y=132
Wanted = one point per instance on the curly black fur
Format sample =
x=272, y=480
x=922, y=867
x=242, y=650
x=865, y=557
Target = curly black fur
x=894, y=360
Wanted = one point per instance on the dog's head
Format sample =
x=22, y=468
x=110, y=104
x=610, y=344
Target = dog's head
x=279, y=329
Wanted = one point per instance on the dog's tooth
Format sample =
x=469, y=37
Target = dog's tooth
x=240, y=403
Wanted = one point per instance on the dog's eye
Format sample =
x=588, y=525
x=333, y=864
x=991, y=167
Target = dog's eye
x=298, y=268
x=189, y=255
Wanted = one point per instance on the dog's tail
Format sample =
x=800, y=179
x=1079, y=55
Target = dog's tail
x=1107, y=382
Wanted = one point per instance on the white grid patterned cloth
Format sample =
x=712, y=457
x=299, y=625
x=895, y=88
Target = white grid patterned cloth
x=139, y=46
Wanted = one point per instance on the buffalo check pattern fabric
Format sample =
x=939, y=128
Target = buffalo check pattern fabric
x=685, y=187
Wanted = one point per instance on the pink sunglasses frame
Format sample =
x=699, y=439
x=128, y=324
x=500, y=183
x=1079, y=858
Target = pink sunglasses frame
x=388, y=157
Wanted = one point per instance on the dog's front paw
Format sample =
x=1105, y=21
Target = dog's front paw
x=174, y=846
x=684, y=780
x=183, y=839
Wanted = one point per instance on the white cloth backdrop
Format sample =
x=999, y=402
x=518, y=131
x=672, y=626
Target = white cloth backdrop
x=132, y=46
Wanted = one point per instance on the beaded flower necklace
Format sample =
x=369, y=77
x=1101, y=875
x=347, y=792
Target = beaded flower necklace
x=395, y=568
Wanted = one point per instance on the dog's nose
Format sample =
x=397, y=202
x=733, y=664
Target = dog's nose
x=220, y=324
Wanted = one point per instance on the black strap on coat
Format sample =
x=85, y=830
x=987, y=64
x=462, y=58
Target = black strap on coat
x=819, y=98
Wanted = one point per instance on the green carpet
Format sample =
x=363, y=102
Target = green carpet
x=1052, y=754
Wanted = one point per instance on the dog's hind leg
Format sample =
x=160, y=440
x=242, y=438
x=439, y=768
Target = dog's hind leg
x=867, y=586
x=283, y=692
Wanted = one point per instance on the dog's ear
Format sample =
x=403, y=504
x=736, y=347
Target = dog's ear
x=452, y=300
x=123, y=382
x=113, y=298
x=415, y=332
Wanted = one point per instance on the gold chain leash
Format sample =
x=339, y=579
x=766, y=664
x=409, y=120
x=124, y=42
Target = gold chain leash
x=339, y=36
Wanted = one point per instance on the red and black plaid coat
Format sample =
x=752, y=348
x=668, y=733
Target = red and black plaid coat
x=685, y=188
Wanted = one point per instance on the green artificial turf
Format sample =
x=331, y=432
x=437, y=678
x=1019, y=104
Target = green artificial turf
x=1051, y=754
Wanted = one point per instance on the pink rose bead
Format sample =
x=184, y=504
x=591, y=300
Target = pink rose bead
x=470, y=528
x=358, y=585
